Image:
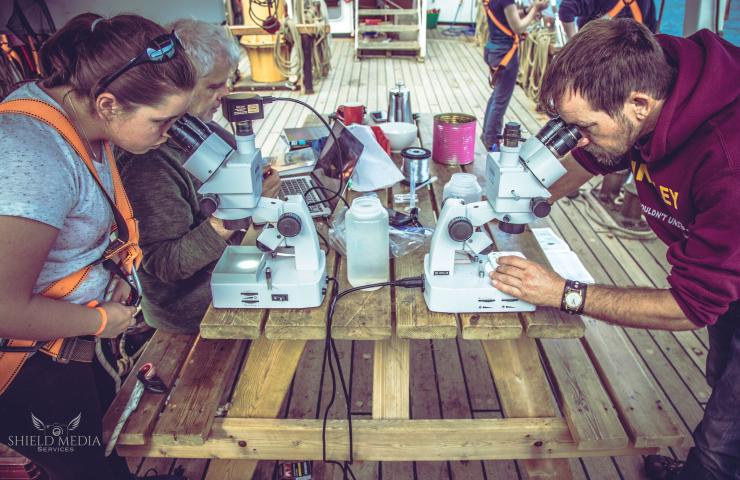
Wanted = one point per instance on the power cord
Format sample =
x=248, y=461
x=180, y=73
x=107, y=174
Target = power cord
x=340, y=156
x=331, y=354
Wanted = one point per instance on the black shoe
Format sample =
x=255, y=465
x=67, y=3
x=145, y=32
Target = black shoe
x=658, y=467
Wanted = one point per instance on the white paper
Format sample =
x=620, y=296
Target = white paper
x=549, y=241
x=568, y=265
x=562, y=259
x=374, y=169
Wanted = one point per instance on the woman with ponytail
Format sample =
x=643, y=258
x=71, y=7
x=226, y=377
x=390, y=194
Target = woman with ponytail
x=66, y=225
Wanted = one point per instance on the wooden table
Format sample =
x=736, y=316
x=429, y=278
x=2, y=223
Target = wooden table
x=569, y=387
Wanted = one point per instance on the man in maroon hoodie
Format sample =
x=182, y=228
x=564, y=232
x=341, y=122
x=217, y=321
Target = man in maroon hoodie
x=667, y=108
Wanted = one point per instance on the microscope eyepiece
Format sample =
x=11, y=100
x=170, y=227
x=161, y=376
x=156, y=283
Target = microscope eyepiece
x=550, y=128
x=188, y=132
x=512, y=134
x=564, y=140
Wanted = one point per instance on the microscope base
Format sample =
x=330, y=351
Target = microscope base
x=467, y=292
x=289, y=288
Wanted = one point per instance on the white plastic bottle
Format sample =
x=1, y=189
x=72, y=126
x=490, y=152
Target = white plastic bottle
x=463, y=186
x=367, y=242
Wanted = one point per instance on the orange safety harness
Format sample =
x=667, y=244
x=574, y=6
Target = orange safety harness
x=634, y=8
x=122, y=256
x=510, y=54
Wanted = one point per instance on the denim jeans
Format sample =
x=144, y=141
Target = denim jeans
x=495, y=50
x=716, y=454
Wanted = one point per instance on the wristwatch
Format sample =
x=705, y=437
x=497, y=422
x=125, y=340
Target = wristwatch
x=574, y=297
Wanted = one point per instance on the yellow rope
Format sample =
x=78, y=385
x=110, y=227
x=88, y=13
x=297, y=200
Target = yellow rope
x=533, y=58
x=321, y=53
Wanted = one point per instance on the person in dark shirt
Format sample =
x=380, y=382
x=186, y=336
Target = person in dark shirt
x=505, y=23
x=584, y=11
x=181, y=245
x=667, y=108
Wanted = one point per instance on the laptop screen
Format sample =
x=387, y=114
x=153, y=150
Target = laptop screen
x=351, y=151
x=328, y=167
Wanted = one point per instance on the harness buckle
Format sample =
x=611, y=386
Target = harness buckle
x=65, y=352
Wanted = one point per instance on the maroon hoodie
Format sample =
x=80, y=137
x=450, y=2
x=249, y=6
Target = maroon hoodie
x=687, y=174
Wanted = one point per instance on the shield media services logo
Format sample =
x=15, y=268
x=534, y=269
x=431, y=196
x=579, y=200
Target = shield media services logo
x=55, y=437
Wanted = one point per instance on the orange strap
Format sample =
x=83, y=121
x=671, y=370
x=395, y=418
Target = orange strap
x=510, y=54
x=124, y=247
x=634, y=8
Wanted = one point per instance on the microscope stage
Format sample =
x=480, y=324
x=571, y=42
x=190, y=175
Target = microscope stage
x=465, y=291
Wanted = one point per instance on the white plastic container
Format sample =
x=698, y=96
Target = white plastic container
x=367, y=242
x=463, y=186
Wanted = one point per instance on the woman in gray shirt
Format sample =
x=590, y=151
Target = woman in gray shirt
x=122, y=80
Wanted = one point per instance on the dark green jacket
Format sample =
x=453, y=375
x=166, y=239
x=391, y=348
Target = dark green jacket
x=180, y=246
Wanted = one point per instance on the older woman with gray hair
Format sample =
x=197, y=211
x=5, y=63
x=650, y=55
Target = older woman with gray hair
x=180, y=244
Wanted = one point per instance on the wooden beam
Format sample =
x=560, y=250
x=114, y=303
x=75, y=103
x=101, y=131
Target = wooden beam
x=641, y=404
x=523, y=390
x=303, y=28
x=391, y=379
x=589, y=411
x=263, y=383
x=490, y=326
x=382, y=440
x=192, y=406
x=167, y=352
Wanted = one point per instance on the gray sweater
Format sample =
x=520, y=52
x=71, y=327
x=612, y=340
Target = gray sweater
x=180, y=246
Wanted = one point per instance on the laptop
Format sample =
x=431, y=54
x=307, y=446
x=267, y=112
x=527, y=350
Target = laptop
x=327, y=173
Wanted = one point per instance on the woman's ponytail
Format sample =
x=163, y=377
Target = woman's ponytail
x=60, y=55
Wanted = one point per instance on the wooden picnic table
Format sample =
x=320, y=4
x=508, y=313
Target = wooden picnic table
x=569, y=386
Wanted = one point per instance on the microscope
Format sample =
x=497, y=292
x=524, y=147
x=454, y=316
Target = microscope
x=286, y=268
x=461, y=254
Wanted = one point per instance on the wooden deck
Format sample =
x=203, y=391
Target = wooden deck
x=454, y=380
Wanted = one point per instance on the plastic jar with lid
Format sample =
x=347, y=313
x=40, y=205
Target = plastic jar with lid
x=463, y=186
x=368, y=242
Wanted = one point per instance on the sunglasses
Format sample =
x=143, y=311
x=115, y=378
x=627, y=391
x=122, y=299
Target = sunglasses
x=160, y=50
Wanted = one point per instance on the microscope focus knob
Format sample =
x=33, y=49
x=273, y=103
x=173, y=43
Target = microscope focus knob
x=460, y=229
x=540, y=207
x=289, y=225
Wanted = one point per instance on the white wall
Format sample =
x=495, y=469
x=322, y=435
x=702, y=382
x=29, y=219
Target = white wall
x=161, y=11
x=449, y=7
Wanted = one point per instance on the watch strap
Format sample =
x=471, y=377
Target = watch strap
x=573, y=286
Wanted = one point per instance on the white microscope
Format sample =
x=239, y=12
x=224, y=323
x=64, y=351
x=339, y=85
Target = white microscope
x=286, y=268
x=457, y=265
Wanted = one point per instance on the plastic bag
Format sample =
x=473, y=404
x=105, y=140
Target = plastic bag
x=403, y=238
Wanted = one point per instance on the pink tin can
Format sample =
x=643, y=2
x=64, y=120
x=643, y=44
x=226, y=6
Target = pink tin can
x=454, y=139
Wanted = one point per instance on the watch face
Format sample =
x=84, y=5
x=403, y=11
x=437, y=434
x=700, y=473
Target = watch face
x=573, y=300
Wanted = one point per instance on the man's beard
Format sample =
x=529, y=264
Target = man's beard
x=627, y=136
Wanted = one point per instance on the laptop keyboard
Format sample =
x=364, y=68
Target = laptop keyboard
x=299, y=186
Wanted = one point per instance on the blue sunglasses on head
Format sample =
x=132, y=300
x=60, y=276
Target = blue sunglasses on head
x=161, y=49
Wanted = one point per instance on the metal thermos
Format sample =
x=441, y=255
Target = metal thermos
x=399, y=104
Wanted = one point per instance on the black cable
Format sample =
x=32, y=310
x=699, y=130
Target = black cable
x=336, y=142
x=261, y=3
x=331, y=354
x=324, y=239
x=330, y=347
